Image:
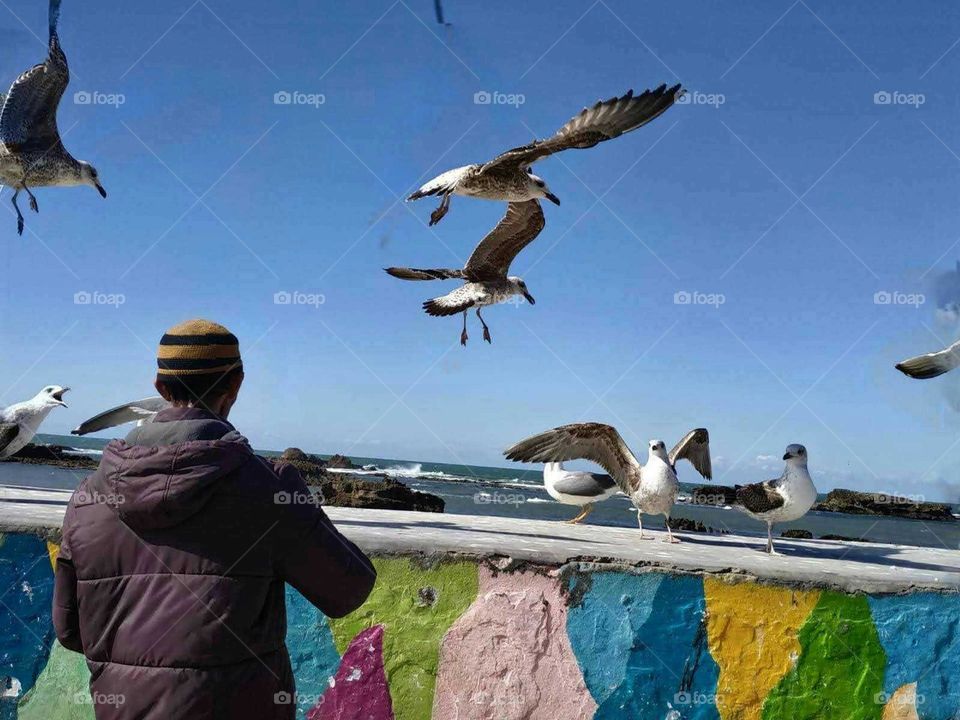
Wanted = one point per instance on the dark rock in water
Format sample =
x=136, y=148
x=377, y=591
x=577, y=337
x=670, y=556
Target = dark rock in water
x=797, y=533
x=861, y=503
x=56, y=455
x=363, y=491
x=714, y=495
x=679, y=523
x=341, y=462
x=843, y=537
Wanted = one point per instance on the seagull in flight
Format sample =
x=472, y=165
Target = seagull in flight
x=138, y=411
x=31, y=153
x=20, y=422
x=485, y=274
x=571, y=487
x=787, y=498
x=652, y=487
x=508, y=176
x=924, y=367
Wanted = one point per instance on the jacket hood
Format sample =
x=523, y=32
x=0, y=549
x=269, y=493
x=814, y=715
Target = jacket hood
x=167, y=470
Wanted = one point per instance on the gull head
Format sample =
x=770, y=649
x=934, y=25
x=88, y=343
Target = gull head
x=521, y=288
x=658, y=449
x=51, y=396
x=89, y=176
x=538, y=188
x=795, y=454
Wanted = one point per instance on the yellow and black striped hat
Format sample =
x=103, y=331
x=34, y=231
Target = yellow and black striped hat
x=197, y=347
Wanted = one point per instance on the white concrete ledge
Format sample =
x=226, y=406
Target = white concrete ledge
x=847, y=566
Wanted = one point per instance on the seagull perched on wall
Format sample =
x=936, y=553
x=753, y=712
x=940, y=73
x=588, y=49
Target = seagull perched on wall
x=787, y=498
x=572, y=487
x=20, y=422
x=138, y=411
x=652, y=487
x=31, y=153
x=924, y=367
x=485, y=273
x=508, y=176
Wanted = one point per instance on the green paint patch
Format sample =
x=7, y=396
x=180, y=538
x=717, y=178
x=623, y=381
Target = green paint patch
x=840, y=669
x=62, y=690
x=416, y=606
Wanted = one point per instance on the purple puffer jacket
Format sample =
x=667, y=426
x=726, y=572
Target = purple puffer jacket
x=171, y=573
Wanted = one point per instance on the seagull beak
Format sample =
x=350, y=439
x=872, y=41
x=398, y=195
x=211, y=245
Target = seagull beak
x=58, y=396
x=787, y=456
x=552, y=198
x=99, y=187
x=529, y=298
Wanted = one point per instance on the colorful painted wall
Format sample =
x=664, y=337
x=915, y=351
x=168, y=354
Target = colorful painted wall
x=462, y=640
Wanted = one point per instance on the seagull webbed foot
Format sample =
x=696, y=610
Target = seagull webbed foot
x=20, y=225
x=463, y=338
x=486, y=334
x=437, y=215
x=33, y=204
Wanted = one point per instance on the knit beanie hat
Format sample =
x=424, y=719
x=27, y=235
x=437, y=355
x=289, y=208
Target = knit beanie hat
x=197, y=347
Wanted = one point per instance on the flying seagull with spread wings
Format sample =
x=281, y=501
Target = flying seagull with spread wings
x=485, y=273
x=20, y=422
x=652, y=487
x=931, y=365
x=138, y=411
x=508, y=177
x=786, y=498
x=31, y=153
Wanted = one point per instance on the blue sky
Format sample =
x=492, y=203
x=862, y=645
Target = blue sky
x=784, y=187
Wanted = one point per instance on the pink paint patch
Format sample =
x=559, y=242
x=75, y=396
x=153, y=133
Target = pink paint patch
x=509, y=657
x=359, y=690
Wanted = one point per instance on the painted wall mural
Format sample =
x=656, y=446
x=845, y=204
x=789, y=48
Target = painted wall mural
x=468, y=641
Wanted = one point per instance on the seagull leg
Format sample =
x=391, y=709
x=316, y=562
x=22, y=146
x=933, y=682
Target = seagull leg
x=486, y=330
x=437, y=215
x=19, y=214
x=33, y=200
x=587, y=509
x=770, y=549
x=670, y=537
x=640, y=523
x=463, y=335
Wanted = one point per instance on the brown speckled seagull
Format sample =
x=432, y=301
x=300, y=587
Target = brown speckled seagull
x=31, y=153
x=508, y=177
x=487, y=282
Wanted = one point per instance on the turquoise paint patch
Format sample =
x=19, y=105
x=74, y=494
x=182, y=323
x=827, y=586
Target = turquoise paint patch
x=920, y=635
x=313, y=655
x=641, y=644
x=26, y=623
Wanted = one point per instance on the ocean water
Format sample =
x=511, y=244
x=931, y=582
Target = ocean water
x=518, y=493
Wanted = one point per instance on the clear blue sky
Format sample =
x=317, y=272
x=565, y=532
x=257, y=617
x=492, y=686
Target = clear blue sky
x=303, y=198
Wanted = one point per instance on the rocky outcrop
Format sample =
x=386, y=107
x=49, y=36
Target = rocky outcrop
x=56, y=455
x=861, y=503
x=341, y=462
x=680, y=523
x=798, y=533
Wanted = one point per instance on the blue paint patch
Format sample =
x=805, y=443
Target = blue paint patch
x=641, y=644
x=920, y=635
x=26, y=598
x=313, y=655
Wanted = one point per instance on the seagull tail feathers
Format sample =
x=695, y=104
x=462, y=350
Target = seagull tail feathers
x=54, y=17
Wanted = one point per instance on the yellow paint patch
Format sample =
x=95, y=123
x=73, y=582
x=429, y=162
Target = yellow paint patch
x=54, y=551
x=752, y=634
x=902, y=705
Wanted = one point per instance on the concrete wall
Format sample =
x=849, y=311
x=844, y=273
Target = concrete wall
x=496, y=639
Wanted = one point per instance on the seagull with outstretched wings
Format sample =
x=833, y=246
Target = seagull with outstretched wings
x=138, y=411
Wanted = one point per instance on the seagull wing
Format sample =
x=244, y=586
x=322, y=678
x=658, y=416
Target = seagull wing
x=419, y=274
x=932, y=364
x=591, y=441
x=760, y=497
x=8, y=433
x=131, y=412
x=605, y=120
x=492, y=257
x=29, y=114
x=694, y=447
x=584, y=484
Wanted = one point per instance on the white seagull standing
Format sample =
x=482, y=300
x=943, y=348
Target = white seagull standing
x=572, y=487
x=508, y=177
x=31, y=153
x=924, y=367
x=138, y=411
x=786, y=498
x=20, y=422
x=485, y=273
x=652, y=487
